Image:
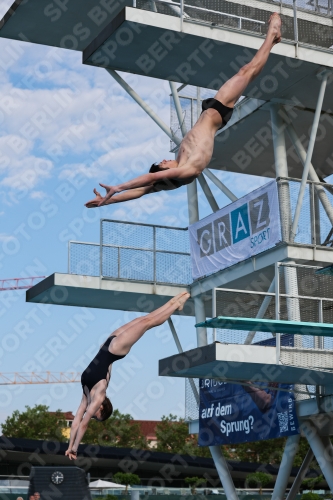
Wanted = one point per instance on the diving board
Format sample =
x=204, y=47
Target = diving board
x=328, y=270
x=269, y=326
x=121, y=295
x=234, y=362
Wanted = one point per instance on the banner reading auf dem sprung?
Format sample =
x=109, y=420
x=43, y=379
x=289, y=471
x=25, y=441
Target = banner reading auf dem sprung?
x=231, y=413
x=235, y=233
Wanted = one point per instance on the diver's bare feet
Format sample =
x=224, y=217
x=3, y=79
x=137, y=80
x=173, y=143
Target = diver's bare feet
x=275, y=27
x=182, y=300
x=177, y=297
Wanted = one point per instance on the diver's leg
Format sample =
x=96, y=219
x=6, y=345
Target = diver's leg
x=127, y=338
x=231, y=91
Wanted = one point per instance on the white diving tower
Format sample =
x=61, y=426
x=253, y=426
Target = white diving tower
x=273, y=133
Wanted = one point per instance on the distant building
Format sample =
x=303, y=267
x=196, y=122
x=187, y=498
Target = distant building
x=148, y=427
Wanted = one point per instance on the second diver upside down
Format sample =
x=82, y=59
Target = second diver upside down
x=196, y=149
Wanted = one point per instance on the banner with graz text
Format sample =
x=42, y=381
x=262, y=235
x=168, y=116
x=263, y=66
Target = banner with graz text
x=235, y=233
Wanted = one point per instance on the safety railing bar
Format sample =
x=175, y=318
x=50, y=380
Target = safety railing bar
x=71, y=242
x=107, y=245
x=175, y=4
x=149, y=281
x=144, y=224
x=294, y=179
x=308, y=266
x=251, y=292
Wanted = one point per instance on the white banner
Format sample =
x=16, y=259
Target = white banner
x=244, y=228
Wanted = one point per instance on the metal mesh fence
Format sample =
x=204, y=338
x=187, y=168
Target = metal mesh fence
x=83, y=258
x=191, y=404
x=314, y=26
x=143, y=252
x=316, y=218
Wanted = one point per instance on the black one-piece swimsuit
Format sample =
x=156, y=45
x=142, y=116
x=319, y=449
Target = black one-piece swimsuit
x=98, y=368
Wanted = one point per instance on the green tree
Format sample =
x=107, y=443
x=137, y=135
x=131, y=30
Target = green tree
x=173, y=437
x=118, y=430
x=258, y=480
x=310, y=496
x=311, y=482
x=195, y=482
x=260, y=451
x=35, y=423
x=126, y=479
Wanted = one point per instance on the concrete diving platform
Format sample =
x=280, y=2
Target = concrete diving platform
x=241, y=363
x=91, y=291
x=160, y=46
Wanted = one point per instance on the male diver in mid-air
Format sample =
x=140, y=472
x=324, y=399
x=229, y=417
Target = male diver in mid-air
x=96, y=376
x=196, y=149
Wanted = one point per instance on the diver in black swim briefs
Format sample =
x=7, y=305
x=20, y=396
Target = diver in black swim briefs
x=96, y=377
x=196, y=149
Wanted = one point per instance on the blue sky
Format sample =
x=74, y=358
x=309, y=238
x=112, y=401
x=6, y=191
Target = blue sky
x=64, y=128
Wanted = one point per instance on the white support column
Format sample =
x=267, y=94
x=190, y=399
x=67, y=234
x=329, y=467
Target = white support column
x=322, y=449
x=179, y=111
x=224, y=473
x=261, y=313
x=281, y=168
x=220, y=185
x=320, y=190
x=306, y=168
x=180, y=349
x=208, y=193
x=144, y=106
x=300, y=475
x=216, y=452
x=287, y=461
x=200, y=316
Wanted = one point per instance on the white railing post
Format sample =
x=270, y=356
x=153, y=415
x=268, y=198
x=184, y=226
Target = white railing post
x=295, y=27
x=181, y=14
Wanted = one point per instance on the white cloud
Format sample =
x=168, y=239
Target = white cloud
x=38, y=195
x=6, y=237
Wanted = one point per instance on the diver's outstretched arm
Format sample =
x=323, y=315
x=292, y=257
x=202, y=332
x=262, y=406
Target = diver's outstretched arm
x=148, y=180
x=131, y=194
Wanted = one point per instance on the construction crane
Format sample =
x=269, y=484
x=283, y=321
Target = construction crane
x=19, y=283
x=16, y=378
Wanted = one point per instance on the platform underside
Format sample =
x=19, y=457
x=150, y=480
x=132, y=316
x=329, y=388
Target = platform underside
x=87, y=291
x=246, y=144
x=70, y=25
x=243, y=363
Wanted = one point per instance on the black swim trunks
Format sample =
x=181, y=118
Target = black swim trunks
x=98, y=369
x=224, y=111
x=167, y=184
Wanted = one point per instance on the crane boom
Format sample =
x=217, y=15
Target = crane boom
x=19, y=283
x=39, y=378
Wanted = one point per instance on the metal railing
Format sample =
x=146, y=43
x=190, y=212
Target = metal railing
x=160, y=254
x=315, y=225
x=136, y=252
x=298, y=26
